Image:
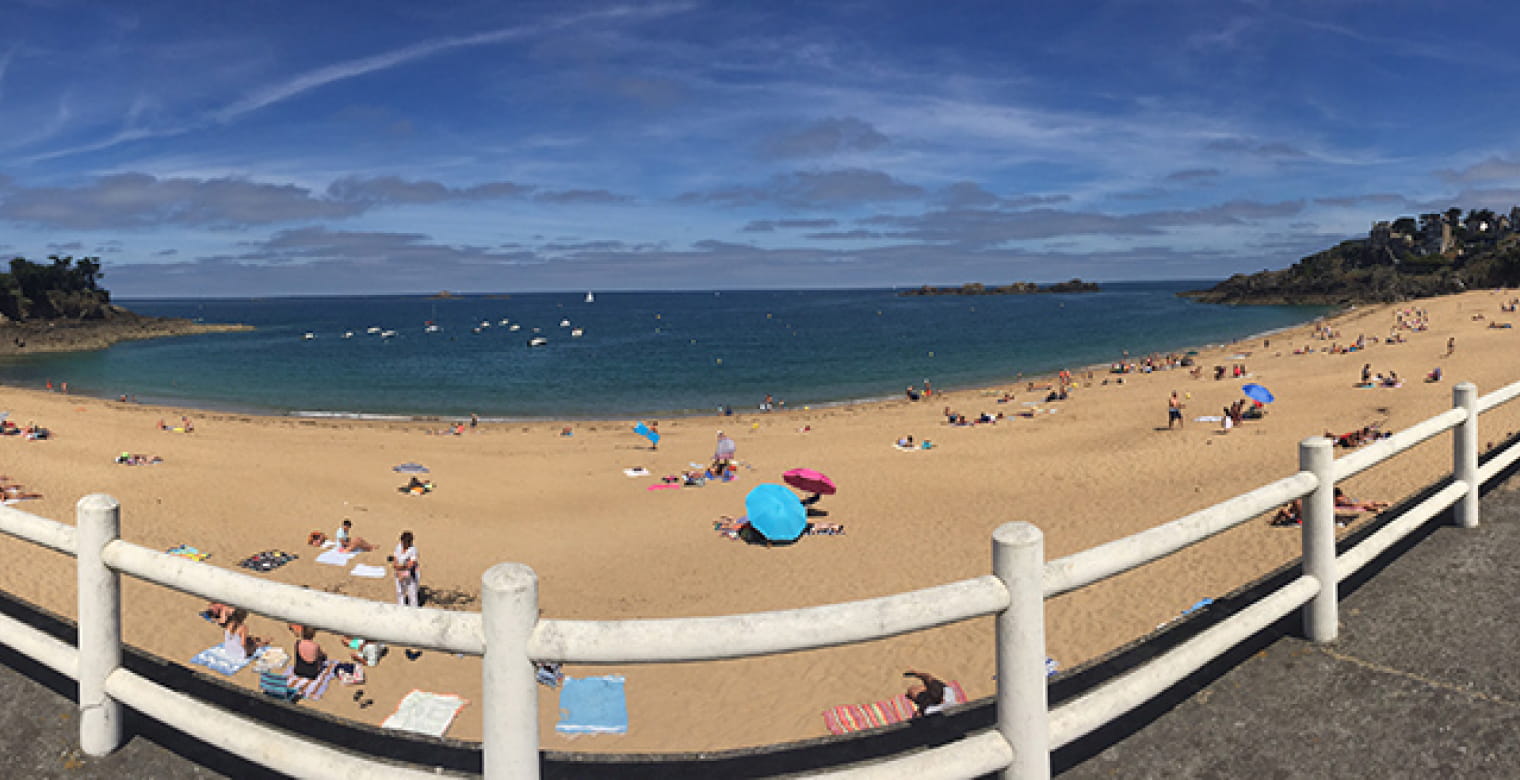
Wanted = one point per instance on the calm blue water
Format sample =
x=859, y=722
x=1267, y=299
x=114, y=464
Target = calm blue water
x=643, y=353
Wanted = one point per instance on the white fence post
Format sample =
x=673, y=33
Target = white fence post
x=1018, y=559
x=1464, y=443
x=509, y=610
x=98, y=523
x=1321, y=614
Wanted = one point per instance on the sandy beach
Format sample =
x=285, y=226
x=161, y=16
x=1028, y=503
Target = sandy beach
x=1087, y=470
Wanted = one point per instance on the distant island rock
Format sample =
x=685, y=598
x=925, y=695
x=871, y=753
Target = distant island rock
x=1017, y=288
x=60, y=307
x=1434, y=254
x=442, y=295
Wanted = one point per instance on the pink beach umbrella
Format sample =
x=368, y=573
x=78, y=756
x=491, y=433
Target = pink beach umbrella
x=810, y=481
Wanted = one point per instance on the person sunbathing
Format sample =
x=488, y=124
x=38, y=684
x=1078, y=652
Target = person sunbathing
x=1292, y=514
x=417, y=487
x=927, y=695
x=1343, y=501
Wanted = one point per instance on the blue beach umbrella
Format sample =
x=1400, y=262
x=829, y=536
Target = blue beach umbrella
x=410, y=468
x=775, y=512
x=643, y=430
x=1256, y=392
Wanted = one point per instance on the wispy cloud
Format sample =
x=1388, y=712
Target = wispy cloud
x=1491, y=169
x=305, y=82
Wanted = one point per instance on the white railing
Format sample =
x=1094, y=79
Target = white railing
x=509, y=633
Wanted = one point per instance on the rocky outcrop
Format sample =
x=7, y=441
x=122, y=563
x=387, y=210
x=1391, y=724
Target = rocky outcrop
x=1017, y=288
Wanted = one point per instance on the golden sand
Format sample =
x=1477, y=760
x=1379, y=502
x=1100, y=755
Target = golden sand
x=604, y=546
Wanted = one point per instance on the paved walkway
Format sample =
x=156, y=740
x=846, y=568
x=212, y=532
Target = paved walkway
x=1423, y=682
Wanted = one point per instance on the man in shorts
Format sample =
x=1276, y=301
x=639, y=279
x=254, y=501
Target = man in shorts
x=1173, y=410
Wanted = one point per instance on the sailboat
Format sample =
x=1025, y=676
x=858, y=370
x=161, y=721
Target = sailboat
x=590, y=298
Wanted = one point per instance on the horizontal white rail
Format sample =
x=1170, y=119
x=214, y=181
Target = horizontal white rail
x=1370, y=455
x=764, y=633
x=1082, y=715
x=435, y=629
x=974, y=756
x=1501, y=396
x=1370, y=548
x=1121, y=555
x=253, y=741
x=55, y=654
x=1498, y=463
x=39, y=530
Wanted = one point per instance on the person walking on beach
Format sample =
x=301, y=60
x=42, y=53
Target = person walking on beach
x=404, y=561
x=1173, y=410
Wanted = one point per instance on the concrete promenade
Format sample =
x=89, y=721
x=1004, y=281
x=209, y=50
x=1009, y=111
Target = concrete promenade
x=1423, y=682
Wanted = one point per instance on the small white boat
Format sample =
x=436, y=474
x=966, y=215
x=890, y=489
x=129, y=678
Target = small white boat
x=577, y=333
x=372, y=331
x=385, y=334
x=564, y=323
x=348, y=334
x=432, y=329
x=475, y=330
x=505, y=321
x=537, y=341
x=485, y=323
x=590, y=298
x=515, y=327
x=309, y=336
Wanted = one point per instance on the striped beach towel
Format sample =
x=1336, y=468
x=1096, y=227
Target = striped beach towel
x=857, y=717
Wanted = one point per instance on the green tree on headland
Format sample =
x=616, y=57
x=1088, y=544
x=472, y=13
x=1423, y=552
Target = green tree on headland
x=64, y=289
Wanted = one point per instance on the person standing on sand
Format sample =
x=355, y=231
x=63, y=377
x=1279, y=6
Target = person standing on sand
x=1173, y=410
x=404, y=561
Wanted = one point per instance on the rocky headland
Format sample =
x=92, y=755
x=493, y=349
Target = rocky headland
x=1434, y=254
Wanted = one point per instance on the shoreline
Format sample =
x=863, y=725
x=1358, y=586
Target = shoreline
x=607, y=546
x=68, y=339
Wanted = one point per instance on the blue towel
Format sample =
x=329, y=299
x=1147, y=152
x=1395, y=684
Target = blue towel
x=215, y=658
x=593, y=705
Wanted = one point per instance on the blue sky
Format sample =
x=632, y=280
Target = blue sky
x=278, y=148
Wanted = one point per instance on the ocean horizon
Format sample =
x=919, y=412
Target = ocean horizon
x=638, y=354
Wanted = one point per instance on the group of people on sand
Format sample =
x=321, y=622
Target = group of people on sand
x=31, y=432
x=953, y=417
x=137, y=459
x=1363, y=435
x=185, y=426
x=914, y=394
x=308, y=658
x=1293, y=513
x=1370, y=379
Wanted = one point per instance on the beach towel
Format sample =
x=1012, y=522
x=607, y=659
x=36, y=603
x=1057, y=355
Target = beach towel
x=637, y=472
x=857, y=717
x=365, y=570
x=314, y=688
x=422, y=712
x=663, y=486
x=593, y=705
x=335, y=558
x=186, y=551
x=216, y=659
x=268, y=560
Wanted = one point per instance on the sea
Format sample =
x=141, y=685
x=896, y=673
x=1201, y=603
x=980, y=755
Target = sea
x=639, y=354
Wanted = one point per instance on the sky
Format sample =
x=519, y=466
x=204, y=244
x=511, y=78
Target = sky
x=268, y=147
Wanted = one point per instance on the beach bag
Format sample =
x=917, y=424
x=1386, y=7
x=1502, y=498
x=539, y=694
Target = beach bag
x=350, y=674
